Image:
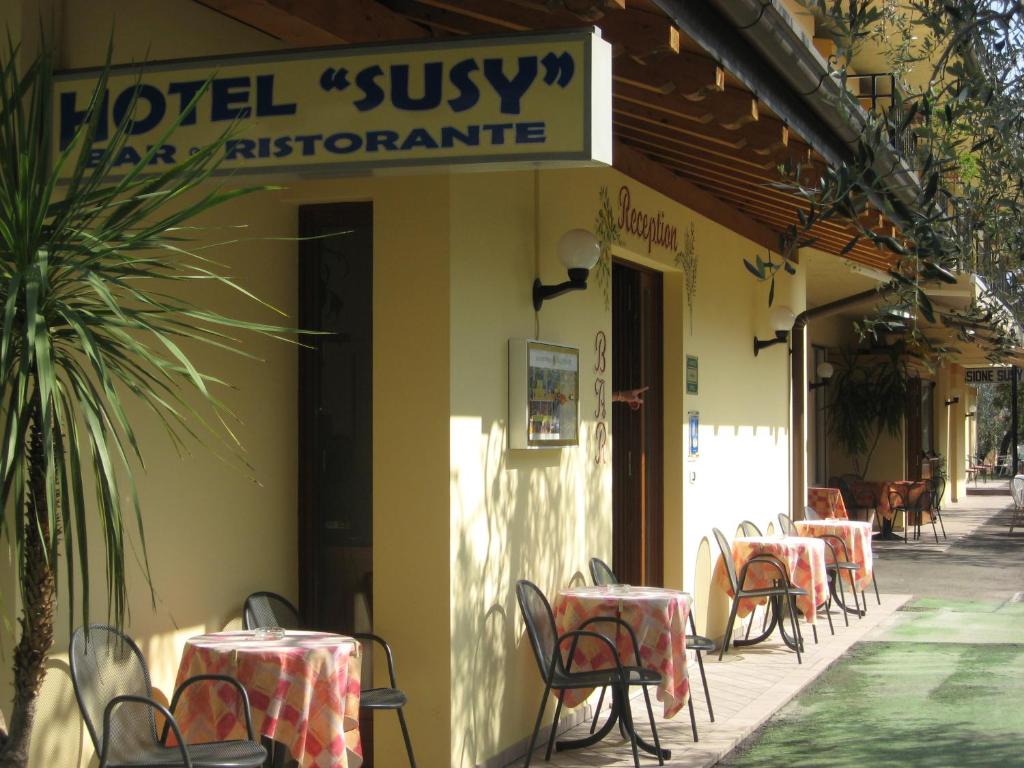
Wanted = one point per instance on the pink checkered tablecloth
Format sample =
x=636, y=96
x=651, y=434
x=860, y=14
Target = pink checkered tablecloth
x=803, y=557
x=658, y=617
x=856, y=536
x=303, y=689
x=827, y=502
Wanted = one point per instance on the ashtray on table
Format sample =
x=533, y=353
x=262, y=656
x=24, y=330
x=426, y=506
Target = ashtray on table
x=268, y=633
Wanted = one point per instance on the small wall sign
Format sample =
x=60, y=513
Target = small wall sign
x=691, y=375
x=990, y=375
x=692, y=450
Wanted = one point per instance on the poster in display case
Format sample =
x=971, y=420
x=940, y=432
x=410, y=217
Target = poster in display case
x=544, y=394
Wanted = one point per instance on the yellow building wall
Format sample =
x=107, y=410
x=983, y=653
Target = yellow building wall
x=542, y=514
x=454, y=258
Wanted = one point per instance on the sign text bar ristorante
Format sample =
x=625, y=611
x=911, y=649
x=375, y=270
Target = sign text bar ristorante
x=542, y=98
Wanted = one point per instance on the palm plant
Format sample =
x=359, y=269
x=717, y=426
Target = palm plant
x=87, y=321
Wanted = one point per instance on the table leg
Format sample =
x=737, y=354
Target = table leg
x=773, y=619
x=613, y=718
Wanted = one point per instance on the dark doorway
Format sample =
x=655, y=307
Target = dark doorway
x=637, y=442
x=336, y=420
x=920, y=426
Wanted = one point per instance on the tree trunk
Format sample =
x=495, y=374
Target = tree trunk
x=36, y=619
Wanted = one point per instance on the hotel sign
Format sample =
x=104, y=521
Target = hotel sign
x=530, y=99
x=977, y=376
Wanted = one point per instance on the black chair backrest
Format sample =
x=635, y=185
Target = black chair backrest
x=726, y=550
x=540, y=626
x=786, y=525
x=749, y=529
x=810, y=513
x=106, y=663
x=269, y=609
x=939, y=489
x=601, y=573
x=896, y=500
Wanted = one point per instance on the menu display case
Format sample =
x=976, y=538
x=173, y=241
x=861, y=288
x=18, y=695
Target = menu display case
x=543, y=394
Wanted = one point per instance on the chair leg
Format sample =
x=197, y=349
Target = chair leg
x=814, y=630
x=405, y=735
x=536, y=727
x=856, y=603
x=842, y=597
x=941, y=524
x=791, y=601
x=597, y=711
x=874, y=583
x=704, y=682
x=728, y=628
x=700, y=665
x=828, y=615
x=554, y=729
x=654, y=728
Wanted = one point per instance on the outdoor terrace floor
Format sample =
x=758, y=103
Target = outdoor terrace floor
x=753, y=683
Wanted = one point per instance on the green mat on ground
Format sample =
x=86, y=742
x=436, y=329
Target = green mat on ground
x=927, y=705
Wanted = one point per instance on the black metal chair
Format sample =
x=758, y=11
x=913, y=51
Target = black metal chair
x=835, y=567
x=938, y=492
x=268, y=609
x=749, y=529
x=558, y=675
x=602, y=574
x=913, y=512
x=115, y=696
x=783, y=590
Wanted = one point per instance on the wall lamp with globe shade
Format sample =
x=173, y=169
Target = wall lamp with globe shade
x=950, y=400
x=824, y=371
x=781, y=319
x=579, y=251
x=971, y=410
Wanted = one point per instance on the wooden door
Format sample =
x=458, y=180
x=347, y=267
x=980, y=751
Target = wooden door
x=637, y=440
x=335, y=412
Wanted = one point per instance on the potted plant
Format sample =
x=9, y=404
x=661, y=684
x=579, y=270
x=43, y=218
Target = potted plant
x=867, y=399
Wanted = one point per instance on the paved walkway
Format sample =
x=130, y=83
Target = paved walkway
x=751, y=684
x=939, y=683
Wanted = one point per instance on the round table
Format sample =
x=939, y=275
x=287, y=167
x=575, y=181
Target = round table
x=657, y=616
x=303, y=689
x=855, y=534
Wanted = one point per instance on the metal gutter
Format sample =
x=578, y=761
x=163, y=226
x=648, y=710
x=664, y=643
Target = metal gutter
x=748, y=37
x=798, y=337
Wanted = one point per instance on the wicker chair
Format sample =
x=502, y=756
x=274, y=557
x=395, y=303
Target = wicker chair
x=1017, y=492
x=602, y=574
x=558, y=675
x=115, y=696
x=268, y=609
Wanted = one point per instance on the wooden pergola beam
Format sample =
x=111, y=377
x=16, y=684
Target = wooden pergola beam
x=635, y=165
x=320, y=22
